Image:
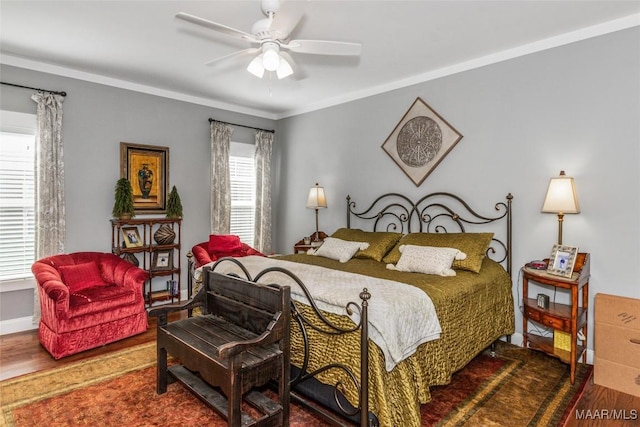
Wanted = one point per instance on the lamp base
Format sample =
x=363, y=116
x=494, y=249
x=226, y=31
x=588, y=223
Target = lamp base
x=318, y=236
x=560, y=221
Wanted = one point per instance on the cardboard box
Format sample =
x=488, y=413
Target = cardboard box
x=562, y=340
x=617, y=343
x=618, y=377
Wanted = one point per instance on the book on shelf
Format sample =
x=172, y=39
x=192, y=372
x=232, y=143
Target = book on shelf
x=172, y=287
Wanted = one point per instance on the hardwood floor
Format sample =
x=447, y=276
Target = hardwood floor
x=604, y=407
x=21, y=353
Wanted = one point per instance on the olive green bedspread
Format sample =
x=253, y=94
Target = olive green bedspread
x=474, y=310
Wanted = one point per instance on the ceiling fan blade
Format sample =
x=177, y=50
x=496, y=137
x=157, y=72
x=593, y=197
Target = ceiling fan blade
x=287, y=19
x=324, y=47
x=249, y=51
x=217, y=27
x=298, y=73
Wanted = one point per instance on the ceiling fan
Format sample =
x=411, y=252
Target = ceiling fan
x=270, y=36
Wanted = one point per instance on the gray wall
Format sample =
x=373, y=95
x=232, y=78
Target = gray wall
x=96, y=119
x=574, y=108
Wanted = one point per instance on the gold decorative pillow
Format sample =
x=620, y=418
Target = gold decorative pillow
x=380, y=242
x=475, y=245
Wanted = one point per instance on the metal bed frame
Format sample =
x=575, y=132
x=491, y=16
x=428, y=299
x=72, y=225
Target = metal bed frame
x=438, y=212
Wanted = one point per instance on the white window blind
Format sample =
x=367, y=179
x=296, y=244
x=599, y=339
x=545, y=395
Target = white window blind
x=17, y=196
x=243, y=184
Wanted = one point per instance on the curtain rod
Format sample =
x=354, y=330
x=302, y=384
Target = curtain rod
x=244, y=126
x=35, y=88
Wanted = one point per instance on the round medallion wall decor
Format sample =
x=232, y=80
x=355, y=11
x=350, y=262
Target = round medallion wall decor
x=419, y=141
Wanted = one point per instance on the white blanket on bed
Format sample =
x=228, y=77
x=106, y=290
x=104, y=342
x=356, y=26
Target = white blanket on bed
x=401, y=317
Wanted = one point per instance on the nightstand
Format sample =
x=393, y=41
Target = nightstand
x=313, y=243
x=568, y=318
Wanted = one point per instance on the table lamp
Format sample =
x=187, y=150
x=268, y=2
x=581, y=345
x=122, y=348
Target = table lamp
x=561, y=199
x=316, y=201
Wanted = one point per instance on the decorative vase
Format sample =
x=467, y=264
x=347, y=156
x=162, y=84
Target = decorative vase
x=145, y=180
x=164, y=235
x=131, y=258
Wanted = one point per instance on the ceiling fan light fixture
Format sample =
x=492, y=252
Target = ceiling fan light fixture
x=255, y=66
x=271, y=36
x=271, y=58
x=284, y=70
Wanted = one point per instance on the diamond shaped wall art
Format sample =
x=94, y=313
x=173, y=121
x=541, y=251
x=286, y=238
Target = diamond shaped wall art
x=420, y=141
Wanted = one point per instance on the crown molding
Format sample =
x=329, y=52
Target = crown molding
x=537, y=46
x=44, y=67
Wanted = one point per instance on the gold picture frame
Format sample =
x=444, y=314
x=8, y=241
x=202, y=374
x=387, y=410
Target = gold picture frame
x=131, y=237
x=147, y=169
x=562, y=260
x=420, y=141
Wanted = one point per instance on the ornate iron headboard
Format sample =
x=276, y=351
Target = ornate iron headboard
x=437, y=213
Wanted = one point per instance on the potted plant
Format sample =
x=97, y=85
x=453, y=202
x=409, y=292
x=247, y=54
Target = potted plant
x=123, y=206
x=174, y=205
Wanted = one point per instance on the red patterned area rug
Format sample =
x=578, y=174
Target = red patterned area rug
x=517, y=388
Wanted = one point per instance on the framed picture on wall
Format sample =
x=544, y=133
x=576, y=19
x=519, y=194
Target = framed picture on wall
x=147, y=169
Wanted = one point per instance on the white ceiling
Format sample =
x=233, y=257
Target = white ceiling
x=140, y=45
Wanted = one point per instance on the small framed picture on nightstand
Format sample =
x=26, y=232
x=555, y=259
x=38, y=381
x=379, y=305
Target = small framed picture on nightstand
x=562, y=260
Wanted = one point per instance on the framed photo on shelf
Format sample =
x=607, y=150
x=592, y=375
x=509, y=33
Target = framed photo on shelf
x=562, y=260
x=162, y=260
x=131, y=237
x=147, y=169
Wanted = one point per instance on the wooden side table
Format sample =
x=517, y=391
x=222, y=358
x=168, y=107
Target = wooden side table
x=313, y=242
x=297, y=248
x=569, y=318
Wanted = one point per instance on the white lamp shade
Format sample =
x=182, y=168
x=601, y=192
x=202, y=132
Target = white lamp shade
x=561, y=196
x=284, y=70
x=255, y=67
x=271, y=60
x=316, y=198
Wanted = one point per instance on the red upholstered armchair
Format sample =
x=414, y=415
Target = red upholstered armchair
x=220, y=246
x=88, y=299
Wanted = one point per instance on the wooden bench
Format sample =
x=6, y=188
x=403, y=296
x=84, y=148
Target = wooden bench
x=239, y=343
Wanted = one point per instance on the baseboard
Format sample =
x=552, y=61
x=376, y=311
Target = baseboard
x=516, y=339
x=20, y=324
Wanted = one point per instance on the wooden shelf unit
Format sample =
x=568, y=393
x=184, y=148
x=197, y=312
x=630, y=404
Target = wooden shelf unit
x=149, y=248
x=570, y=318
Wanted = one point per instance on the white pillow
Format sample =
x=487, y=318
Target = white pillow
x=338, y=249
x=427, y=259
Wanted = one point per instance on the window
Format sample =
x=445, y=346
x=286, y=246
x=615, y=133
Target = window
x=17, y=196
x=243, y=189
